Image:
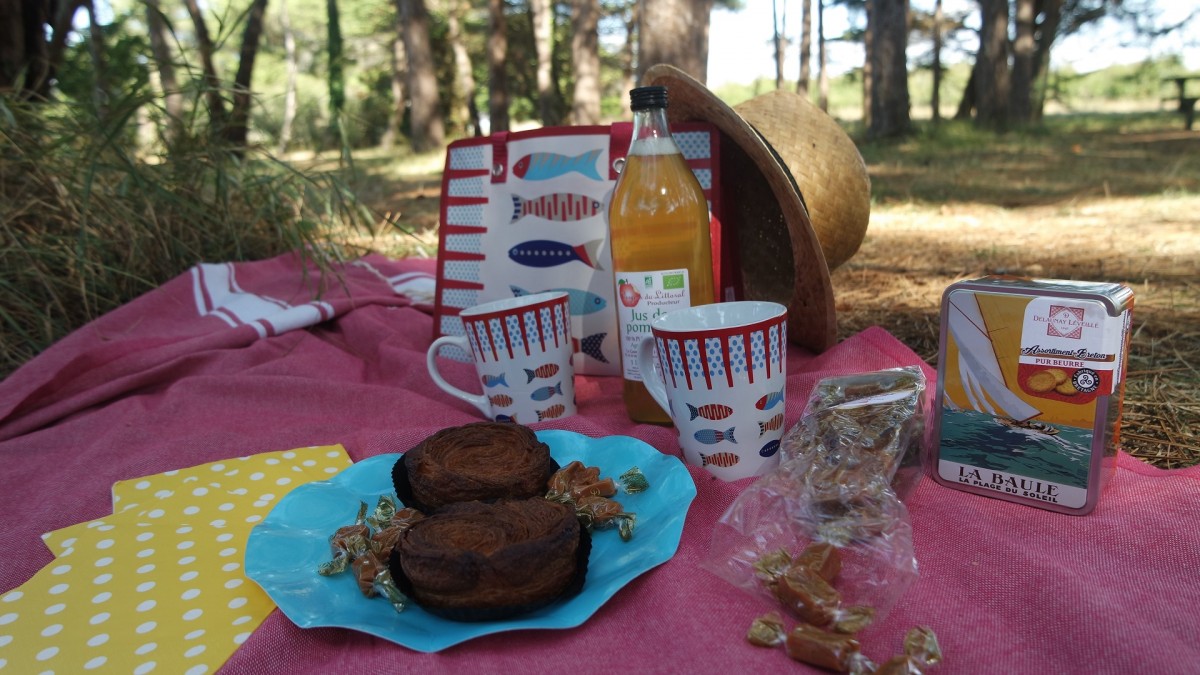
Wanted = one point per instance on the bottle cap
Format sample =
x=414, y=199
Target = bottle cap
x=644, y=98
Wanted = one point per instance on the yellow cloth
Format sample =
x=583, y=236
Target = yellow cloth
x=159, y=585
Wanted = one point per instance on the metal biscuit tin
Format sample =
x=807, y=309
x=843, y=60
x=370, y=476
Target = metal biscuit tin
x=1031, y=377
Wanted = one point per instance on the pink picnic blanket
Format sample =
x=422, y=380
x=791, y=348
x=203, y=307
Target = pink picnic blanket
x=236, y=359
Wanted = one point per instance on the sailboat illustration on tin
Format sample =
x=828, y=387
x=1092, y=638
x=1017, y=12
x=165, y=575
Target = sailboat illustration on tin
x=979, y=370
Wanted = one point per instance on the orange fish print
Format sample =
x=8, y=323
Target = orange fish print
x=547, y=370
x=771, y=424
x=721, y=459
x=501, y=400
x=552, y=412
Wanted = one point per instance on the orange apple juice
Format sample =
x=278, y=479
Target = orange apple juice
x=662, y=256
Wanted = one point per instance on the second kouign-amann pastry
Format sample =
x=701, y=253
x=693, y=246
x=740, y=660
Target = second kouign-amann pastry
x=480, y=461
x=476, y=561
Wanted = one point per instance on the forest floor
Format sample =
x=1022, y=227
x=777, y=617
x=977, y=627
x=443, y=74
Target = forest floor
x=1104, y=199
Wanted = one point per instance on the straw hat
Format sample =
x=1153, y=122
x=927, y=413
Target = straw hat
x=789, y=173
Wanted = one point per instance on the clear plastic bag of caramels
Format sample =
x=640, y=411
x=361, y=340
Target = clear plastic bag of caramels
x=860, y=428
x=857, y=448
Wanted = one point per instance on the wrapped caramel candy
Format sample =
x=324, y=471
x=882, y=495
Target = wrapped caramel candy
x=582, y=487
x=822, y=558
x=852, y=619
x=839, y=653
x=922, y=645
x=367, y=553
x=767, y=631
x=634, y=481
x=366, y=567
x=921, y=651
x=806, y=595
x=405, y=517
x=768, y=568
x=383, y=541
x=575, y=481
x=347, y=543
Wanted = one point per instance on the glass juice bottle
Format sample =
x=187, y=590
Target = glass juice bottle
x=659, y=232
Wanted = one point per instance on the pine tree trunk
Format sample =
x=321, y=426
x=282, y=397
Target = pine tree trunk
x=1047, y=31
x=674, y=32
x=96, y=47
x=238, y=131
x=337, y=76
x=497, y=51
x=888, y=27
x=868, y=82
x=992, y=75
x=33, y=38
x=212, y=84
x=822, y=60
x=935, y=100
x=467, y=114
x=428, y=130
x=1021, y=93
x=541, y=16
x=399, y=68
x=585, y=52
x=966, y=105
x=15, y=50
x=289, y=95
x=61, y=18
x=802, y=84
x=780, y=35
x=164, y=64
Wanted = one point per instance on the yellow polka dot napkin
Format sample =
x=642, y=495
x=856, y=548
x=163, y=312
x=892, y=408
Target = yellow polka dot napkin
x=157, y=586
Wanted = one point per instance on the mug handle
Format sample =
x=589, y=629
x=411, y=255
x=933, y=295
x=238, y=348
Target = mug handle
x=652, y=377
x=478, y=400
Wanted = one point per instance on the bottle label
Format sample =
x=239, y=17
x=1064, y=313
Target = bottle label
x=641, y=298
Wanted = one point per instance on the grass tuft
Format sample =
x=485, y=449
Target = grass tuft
x=87, y=223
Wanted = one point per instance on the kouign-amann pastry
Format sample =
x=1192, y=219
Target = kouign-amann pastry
x=480, y=461
x=477, y=561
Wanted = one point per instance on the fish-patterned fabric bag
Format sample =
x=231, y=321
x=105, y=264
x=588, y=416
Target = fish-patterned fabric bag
x=525, y=212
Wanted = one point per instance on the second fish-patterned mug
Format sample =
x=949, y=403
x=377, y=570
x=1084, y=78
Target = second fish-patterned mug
x=721, y=375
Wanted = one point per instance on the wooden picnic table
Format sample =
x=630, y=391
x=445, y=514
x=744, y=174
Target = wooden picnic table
x=1187, y=104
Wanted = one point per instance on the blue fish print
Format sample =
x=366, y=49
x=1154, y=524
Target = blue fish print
x=547, y=165
x=770, y=400
x=713, y=436
x=546, y=392
x=548, y=253
x=591, y=345
x=769, y=449
x=490, y=381
x=506, y=418
x=582, y=302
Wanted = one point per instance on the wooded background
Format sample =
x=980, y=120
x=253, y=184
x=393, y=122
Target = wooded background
x=293, y=74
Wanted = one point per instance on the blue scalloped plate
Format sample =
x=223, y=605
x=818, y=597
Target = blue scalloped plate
x=284, y=550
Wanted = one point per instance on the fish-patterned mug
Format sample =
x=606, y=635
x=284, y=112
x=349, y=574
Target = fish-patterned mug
x=522, y=351
x=720, y=372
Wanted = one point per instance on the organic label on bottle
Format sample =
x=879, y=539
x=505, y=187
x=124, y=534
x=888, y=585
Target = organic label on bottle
x=641, y=298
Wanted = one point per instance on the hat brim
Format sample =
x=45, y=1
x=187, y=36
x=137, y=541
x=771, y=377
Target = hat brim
x=763, y=212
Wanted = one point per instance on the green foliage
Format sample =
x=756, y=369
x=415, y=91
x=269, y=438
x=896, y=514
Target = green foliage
x=125, y=69
x=1133, y=82
x=86, y=224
